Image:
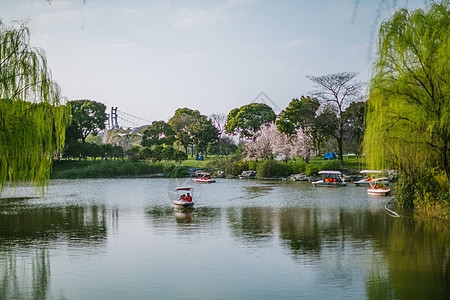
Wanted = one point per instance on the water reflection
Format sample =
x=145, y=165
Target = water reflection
x=29, y=224
x=414, y=261
x=417, y=259
x=299, y=230
x=255, y=191
x=253, y=224
x=164, y=215
x=26, y=275
x=16, y=276
x=290, y=241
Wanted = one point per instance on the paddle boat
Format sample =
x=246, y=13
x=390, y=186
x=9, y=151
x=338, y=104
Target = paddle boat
x=330, y=178
x=203, y=177
x=183, y=197
x=378, y=187
x=368, y=177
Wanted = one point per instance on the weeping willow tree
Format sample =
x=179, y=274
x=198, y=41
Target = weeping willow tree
x=32, y=117
x=408, y=115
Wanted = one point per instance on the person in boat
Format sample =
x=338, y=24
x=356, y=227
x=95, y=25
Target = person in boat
x=183, y=197
x=188, y=198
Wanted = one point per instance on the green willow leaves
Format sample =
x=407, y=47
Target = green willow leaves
x=408, y=115
x=32, y=118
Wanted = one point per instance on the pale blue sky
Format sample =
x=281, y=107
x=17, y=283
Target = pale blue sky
x=151, y=57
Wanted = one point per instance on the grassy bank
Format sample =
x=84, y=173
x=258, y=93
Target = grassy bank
x=71, y=169
x=232, y=165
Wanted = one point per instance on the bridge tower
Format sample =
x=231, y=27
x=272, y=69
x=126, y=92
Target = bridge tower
x=113, y=124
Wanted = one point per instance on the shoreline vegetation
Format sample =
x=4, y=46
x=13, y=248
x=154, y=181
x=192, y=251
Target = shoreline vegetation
x=232, y=166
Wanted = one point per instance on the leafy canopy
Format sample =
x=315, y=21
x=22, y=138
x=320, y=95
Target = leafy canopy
x=408, y=118
x=32, y=116
x=87, y=117
x=159, y=133
x=248, y=119
x=299, y=114
x=180, y=121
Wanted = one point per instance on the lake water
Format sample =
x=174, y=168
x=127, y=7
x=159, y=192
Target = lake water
x=246, y=239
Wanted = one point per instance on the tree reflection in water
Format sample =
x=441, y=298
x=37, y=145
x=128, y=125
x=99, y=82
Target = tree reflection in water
x=33, y=227
x=254, y=224
x=415, y=256
x=163, y=216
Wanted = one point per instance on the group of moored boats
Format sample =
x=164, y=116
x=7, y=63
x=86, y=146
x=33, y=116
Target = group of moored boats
x=377, y=185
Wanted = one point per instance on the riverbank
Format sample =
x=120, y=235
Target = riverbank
x=232, y=166
x=78, y=169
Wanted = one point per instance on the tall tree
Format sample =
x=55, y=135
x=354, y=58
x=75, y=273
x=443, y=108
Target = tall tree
x=325, y=126
x=338, y=91
x=87, y=117
x=247, y=119
x=180, y=121
x=32, y=117
x=354, y=127
x=203, y=133
x=408, y=118
x=298, y=114
x=159, y=133
x=302, y=114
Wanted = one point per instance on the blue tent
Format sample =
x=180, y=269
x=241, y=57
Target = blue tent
x=330, y=155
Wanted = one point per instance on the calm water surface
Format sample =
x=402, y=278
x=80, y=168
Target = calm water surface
x=121, y=239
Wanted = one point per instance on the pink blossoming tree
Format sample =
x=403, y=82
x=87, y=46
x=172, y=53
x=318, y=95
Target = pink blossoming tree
x=268, y=141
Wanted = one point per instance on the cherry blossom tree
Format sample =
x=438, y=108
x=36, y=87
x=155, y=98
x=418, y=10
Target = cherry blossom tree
x=268, y=141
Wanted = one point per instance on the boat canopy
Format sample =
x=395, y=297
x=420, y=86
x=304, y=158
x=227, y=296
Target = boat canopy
x=330, y=172
x=379, y=179
x=183, y=189
x=202, y=173
x=371, y=172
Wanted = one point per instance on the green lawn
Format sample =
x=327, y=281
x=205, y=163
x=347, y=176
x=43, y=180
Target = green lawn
x=192, y=163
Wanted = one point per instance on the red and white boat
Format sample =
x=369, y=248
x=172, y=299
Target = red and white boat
x=183, y=197
x=330, y=178
x=203, y=177
x=378, y=187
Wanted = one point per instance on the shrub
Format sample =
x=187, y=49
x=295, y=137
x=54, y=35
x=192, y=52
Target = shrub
x=298, y=167
x=179, y=156
x=312, y=170
x=236, y=169
x=331, y=165
x=252, y=165
x=272, y=169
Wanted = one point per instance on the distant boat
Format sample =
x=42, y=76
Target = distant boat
x=203, y=177
x=330, y=178
x=181, y=199
x=377, y=187
x=368, y=177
